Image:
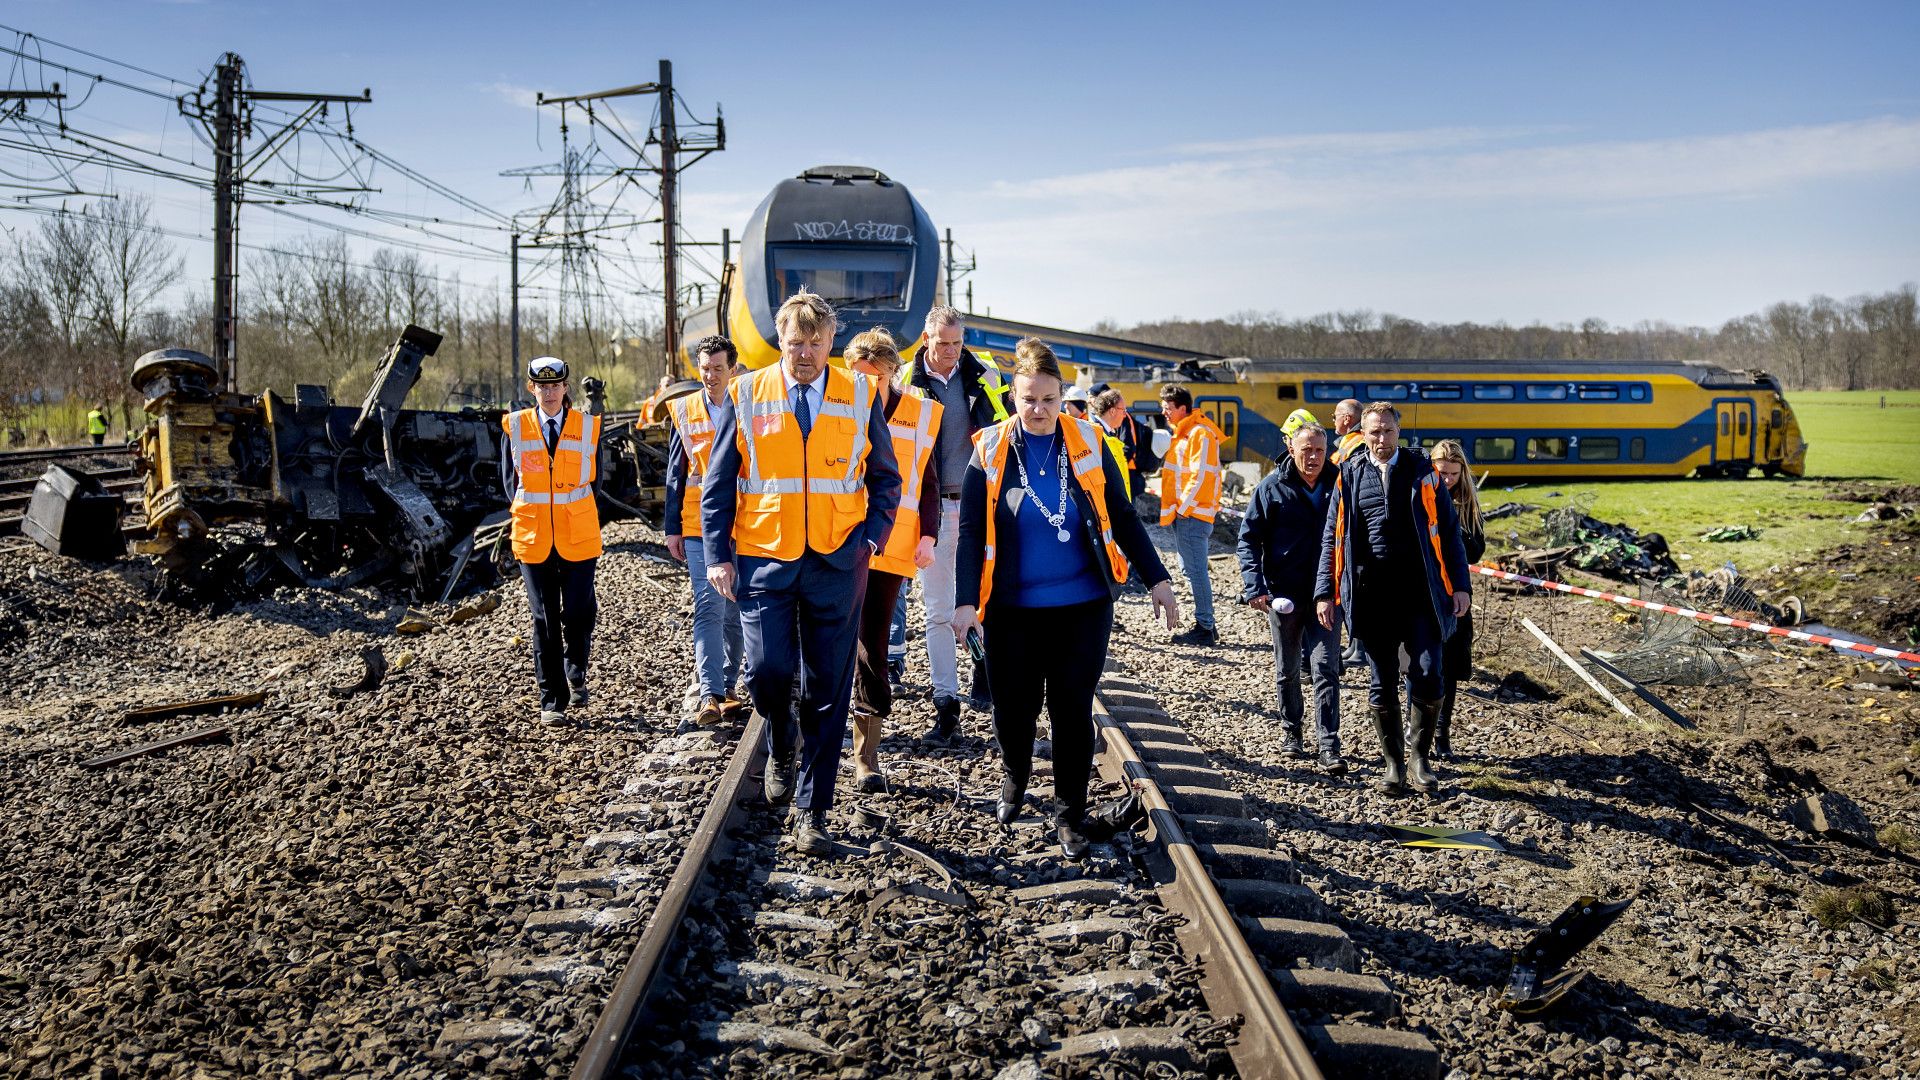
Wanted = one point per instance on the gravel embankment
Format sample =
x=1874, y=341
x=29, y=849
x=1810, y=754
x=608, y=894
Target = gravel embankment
x=322, y=893
x=1719, y=969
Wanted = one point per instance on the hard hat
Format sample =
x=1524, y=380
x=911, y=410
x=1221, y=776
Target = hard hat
x=1076, y=393
x=1297, y=419
x=547, y=369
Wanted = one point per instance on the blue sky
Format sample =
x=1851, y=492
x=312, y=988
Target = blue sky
x=1516, y=162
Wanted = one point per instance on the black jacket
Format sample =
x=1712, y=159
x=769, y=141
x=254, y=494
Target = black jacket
x=1127, y=532
x=1281, y=535
x=1443, y=570
x=975, y=379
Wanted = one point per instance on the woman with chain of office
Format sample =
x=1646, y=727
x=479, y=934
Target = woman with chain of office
x=1047, y=536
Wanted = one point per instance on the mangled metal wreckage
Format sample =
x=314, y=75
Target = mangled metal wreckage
x=243, y=491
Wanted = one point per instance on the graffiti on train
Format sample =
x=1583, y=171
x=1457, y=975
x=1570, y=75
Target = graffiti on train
x=882, y=232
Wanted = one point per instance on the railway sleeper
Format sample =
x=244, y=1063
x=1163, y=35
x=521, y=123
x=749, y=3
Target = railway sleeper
x=1136, y=1046
x=563, y=970
x=1261, y=898
x=1216, y=801
x=1213, y=829
x=1239, y=860
x=1363, y=1052
x=1339, y=993
x=1283, y=942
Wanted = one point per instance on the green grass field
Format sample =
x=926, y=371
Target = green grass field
x=1849, y=437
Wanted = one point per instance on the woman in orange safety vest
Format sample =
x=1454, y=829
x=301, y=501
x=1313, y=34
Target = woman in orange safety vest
x=549, y=462
x=1047, y=536
x=913, y=419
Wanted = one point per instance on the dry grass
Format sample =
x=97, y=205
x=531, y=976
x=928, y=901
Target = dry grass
x=1835, y=908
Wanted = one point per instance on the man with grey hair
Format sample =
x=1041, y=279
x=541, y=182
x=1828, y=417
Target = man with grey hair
x=972, y=396
x=1280, y=542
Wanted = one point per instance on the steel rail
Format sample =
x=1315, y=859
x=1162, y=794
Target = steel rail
x=626, y=1010
x=1231, y=976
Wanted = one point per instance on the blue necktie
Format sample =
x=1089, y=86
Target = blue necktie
x=801, y=413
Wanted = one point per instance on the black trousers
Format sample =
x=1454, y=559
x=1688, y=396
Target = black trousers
x=1458, y=663
x=560, y=595
x=872, y=693
x=1048, y=657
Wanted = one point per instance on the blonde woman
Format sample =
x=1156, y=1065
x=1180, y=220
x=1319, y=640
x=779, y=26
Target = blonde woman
x=1450, y=461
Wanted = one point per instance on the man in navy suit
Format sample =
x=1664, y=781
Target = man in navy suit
x=799, y=493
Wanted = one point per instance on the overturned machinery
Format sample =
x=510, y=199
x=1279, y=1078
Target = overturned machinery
x=244, y=490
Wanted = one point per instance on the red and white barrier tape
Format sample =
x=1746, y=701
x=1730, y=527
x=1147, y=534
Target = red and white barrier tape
x=1723, y=620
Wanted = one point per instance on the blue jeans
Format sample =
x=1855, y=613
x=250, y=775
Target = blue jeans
x=1296, y=637
x=716, y=629
x=1190, y=542
x=897, y=637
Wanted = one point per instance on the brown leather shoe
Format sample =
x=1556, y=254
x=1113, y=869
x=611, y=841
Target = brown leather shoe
x=713, y=710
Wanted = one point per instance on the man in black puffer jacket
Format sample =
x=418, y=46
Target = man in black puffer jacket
x=1280, y=542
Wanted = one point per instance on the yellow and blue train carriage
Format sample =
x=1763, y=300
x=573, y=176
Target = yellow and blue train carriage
x=1516, y=419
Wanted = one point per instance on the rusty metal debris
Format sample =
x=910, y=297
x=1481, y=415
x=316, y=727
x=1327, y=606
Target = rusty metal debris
x=200, y=736
x=373, y=665
x=1537, y=982
x=913, y=888
x=199, y=705
x=243, y=491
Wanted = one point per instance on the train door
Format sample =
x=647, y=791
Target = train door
x=1733, y=430
x=1226, y=416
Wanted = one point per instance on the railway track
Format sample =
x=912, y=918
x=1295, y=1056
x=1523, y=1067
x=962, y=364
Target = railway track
x=938, y=942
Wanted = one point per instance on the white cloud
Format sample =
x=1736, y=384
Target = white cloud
x=523, y=96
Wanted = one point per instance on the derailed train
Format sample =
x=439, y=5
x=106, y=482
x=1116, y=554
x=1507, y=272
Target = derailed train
x=244, y=490
x=859, y=238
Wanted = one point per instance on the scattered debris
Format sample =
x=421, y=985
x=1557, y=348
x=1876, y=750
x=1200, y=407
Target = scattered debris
x=1115, y=816
x=1537, y=982
x=72, y=513
x=913, y=888
x=1423, y=836
x=199, y=705
x=1834, y=816
x=373, y=671
x=200, y=736
x=413, y=622
x=1574, y=665
x=1609, y=548
x=1884, y=512
x=1508, y=509
x=1639, y=691
x=1519, y=686
x=1730, y=533
x=484, y=604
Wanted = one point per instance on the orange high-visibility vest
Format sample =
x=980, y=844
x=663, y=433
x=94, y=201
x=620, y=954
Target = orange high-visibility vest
x=1344, y=448
x=694, y=421
x=794, y=493
x=915, y=427
x=1083, y=441
x=553, y=507
x=1190, y=477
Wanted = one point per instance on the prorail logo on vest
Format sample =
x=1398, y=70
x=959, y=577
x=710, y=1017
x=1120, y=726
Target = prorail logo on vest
x=883, y=232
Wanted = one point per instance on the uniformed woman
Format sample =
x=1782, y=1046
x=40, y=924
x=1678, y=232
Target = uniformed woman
x=548, y=463
x=1456, y=659
x=913, y=419
x=1046, y=535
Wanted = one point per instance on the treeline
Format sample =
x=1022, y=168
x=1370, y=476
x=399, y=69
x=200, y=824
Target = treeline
x=1866, y=342
x=85, y=294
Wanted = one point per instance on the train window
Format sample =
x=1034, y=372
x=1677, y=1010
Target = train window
x=1286, y=391
x=1331, y=391
x=1388, y=392
x=1777, y=418
x=1493, y=392
x=1547, y=392
x=1428, y=442
x=1547, y=448
x=1726, y=424
x=1599, y=448
x=1098, y=356
x=1637, y=392
x=1599, y=393
x=1637, y=449
x=847, y=277
x=1441, y=392
x=1493, y=448
x=1063, y=352
x=1741, y=424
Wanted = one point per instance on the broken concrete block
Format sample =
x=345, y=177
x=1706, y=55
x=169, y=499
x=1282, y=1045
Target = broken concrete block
x=1834, y=816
